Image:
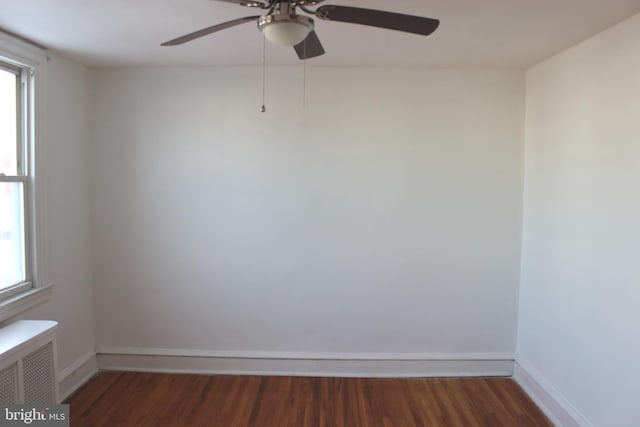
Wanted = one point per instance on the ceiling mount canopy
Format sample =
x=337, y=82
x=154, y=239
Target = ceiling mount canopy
x=281, y=25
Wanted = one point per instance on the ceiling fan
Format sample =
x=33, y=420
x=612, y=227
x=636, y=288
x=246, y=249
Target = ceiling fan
x=281, y=24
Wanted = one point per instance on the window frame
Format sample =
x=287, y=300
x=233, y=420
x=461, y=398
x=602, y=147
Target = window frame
x=31, y=59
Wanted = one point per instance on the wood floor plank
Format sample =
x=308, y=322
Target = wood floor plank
x=122, y=399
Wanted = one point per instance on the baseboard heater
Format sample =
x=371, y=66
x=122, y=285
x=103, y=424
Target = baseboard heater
x=28, y=372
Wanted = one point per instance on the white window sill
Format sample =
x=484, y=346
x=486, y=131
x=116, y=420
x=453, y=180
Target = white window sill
x=24, y=301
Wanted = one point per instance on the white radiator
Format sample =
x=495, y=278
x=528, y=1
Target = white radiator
x=28, y=371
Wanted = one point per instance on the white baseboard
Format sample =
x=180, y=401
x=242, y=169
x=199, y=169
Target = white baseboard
x=306, y=364
x=77, y=374
x=550, y=401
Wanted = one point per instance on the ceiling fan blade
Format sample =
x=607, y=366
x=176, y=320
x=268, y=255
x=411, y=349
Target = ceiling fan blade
x=378, y=18
x=209, y=30
x=249, y=3
x=309, y=47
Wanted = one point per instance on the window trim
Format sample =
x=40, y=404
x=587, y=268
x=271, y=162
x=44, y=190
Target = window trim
x=37, y=288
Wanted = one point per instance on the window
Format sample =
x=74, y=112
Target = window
x=24, y=281
x=15, y=182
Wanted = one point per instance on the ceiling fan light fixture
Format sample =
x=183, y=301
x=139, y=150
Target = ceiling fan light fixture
x=285, y=30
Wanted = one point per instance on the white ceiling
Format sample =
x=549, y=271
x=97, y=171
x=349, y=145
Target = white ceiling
x=472, y=33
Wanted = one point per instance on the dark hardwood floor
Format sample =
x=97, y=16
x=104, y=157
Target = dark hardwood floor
x=143, y=399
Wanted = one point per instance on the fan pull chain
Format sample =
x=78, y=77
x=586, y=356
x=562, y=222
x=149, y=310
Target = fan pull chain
x=263, y=109
x=304, y=76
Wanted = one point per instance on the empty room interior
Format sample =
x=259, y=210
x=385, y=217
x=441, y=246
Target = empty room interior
x=294, y=213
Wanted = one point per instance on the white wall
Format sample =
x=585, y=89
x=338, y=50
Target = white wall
x=66, y=181
x=579, y=295
x=383, y=217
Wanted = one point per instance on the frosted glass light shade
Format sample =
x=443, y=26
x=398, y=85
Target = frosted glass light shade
x=288, y=30
x=286, y=33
